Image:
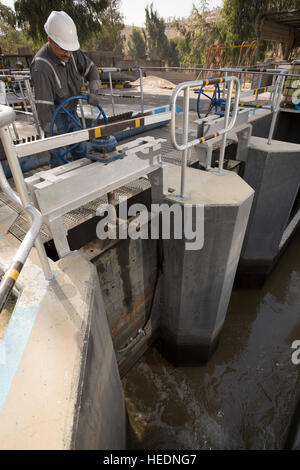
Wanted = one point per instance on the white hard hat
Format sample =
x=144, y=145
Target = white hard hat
x=62, y=30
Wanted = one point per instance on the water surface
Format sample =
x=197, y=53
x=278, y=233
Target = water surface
x=245, y=396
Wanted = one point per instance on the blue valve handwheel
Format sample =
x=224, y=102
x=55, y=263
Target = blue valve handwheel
x=78, y=123
x=104, y=144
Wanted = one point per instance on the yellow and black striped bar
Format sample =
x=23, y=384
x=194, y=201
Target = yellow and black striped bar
x=254, y=69
x=116, y=85
x=209, y=137
x=250, y=105
x=131, y=97
x=213, y=81
x=117, y=69
x=7, y=79
x=118, y=96
x=260, y=90
x=109, y=129
x=8, y=282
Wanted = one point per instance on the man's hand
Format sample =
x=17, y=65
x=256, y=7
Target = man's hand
x=48, y=134
x=94, y=100
x=95, y=86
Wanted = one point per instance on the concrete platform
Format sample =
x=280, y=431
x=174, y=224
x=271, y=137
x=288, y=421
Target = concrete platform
x=60, y=385
x=273, y=171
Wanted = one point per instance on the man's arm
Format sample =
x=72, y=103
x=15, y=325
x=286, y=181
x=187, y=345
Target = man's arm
x=89, y=71
x=44, y=98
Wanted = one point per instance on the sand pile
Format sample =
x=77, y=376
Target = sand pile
x=153, y=82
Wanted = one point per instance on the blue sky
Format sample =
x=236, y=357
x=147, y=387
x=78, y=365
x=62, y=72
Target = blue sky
x=134, y=10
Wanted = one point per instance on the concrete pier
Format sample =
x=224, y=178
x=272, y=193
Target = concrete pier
x=273, y=171
x=197, y=284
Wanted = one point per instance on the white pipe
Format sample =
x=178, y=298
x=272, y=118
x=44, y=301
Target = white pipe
x=173, y=100
x=226, y=121
x=21, y=186
x=185, y=138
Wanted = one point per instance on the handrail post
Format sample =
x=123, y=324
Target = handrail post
x=185, y=138
x=141, y=90
x=111, y=93
x=12, y=274
x=276, y=106
x=33, y=107
x=226, y=121
x=22, y=191
x=224, y=86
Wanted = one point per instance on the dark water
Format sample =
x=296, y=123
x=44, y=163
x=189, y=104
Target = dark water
x=245, y=396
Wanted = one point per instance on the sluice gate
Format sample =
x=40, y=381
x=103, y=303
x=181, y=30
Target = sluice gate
x=130, y=249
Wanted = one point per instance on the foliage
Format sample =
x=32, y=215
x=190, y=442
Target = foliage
x=203, y=6
x=240, y=16
x=136, y=44
x=156, y=39
x=110, y=37
x=173, y=57
x=237, y=25
x=10, y=37
x=7, y=15
x=196, y=35
x=31, y=15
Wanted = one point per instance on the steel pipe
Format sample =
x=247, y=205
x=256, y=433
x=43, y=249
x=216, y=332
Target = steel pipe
x=173, y=100
x=6, y=116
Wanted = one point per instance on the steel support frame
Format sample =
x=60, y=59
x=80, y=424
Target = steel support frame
x=43, y=145
x=61, y=190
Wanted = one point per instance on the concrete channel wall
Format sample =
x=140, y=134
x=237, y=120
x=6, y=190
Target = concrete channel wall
x=128, y=271
x=273, y=171
x=59, y=382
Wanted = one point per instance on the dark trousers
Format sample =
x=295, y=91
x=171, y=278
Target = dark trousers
x=65, y=124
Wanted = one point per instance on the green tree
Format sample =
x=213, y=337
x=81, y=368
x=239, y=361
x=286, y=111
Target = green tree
x=10, y=37
x=203, y=6
x=7, y=14
x=136, y=44
x=31, y=15
x=156, y=39
x=240, y=19
x=196, y=36
x=173, y=58
x=110, y=37
x=240, y=16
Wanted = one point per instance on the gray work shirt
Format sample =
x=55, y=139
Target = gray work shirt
x=55, y=81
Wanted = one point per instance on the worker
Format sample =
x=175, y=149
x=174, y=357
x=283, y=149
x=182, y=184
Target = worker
x=58, y=71
x=19, y=65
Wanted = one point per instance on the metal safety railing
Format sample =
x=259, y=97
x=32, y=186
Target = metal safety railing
x=276, y=104
x=113, y=95
x=255, y=71
x=33, y=237
x=223, y=70
x=228, y=122
x=18, y=90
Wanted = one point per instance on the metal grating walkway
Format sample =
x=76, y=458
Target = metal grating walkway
x=88, y=211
